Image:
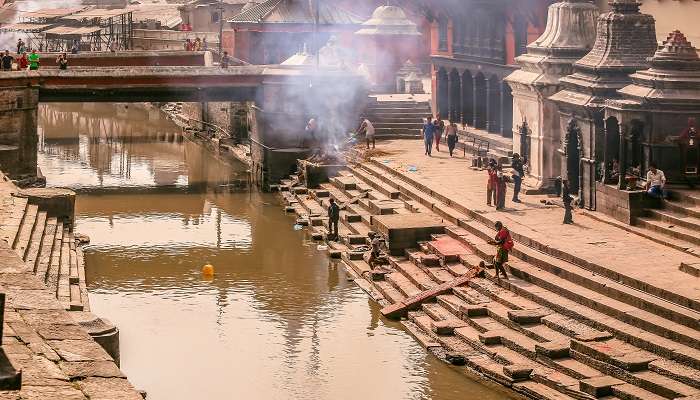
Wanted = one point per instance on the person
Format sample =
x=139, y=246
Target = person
x=197, y=44
x=20, y=46
x=333, y=218
x=7, y=61
x=518, y=174
x=23, y=62
x=428, y=131
x=615, y=170
x=492, y=183
x=501, y=189
x=376, y=242
x=76, y=47
x=225, y=60
x=367, y=128
x=113, y=46
x=452, y=137
x=656, y=180
x=439, y=129
x=205, y=45
x=62, y=61
x=34, y=61
x=504, y=243
x=567, y=199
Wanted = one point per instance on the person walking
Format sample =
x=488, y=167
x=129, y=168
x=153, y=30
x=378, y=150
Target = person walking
x=452, y=137
x=518, y=174
x=504, y=243
x=567, y=199
x=439, y=129
x=7, y=61
x=492, y=183
x=34, y=61
x=225, y=60
x=428, y=132
x=333, y=218
x=367, y=128
x=23, y=62
x=62, y=61
x=501, y=189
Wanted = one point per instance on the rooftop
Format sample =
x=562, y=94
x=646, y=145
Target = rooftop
x=295, y=12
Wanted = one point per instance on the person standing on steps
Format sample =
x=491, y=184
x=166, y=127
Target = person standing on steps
x=333, y=218
x=428, y=131
x=492, y=183
x=367, y=128
x=452, y=137
x=504, y=243
x=518, y=174
x=567, y=199
x=501, y=189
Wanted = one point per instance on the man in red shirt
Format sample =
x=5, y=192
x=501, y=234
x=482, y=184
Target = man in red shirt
x=504, y=243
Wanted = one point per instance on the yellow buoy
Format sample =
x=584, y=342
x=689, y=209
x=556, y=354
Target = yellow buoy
x=208, y=270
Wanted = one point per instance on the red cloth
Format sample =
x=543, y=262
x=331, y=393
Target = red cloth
x=23, y=62
x=503, y=236
x=493, y=179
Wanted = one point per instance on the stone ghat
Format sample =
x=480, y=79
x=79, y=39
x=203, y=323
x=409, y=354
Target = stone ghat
x=551, y=331
x=42, y=275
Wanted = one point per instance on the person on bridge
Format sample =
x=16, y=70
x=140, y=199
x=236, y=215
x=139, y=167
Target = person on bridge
x=7, y=61
x=452, y=137
x=333, y=218
x=23, y=62
x=62, y=61
x=225, y=60
x=428, y=131
x=367, y=128
x=33, y=61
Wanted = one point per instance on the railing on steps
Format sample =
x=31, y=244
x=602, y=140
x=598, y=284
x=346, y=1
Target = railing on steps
x=479, y=146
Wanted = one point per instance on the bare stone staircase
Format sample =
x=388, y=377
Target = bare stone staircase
x=679, y=217
x=48, y=247
x=553, y=330
x=397, y=118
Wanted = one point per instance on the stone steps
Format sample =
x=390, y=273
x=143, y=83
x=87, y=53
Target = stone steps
x=31, y=256
x=675, y=231
x=682, y=208
x=674, y=218
x=25, y=230
x=12, y=215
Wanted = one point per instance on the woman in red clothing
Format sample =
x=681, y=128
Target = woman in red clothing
x=492, y=183
x=439, y=129
x=23, y=62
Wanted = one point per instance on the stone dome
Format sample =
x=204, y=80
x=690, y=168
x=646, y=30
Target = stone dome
x=389, y=20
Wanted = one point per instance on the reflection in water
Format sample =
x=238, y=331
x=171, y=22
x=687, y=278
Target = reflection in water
x=278, y=320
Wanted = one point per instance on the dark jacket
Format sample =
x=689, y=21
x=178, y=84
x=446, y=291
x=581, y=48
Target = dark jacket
x=334, y=212
x=517, y=166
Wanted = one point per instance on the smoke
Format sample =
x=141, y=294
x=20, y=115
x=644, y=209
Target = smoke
x=8, y=40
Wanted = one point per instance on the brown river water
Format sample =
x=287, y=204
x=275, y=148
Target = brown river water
x=279, y=320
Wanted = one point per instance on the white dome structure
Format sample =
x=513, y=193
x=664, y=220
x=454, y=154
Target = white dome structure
x=390, y=21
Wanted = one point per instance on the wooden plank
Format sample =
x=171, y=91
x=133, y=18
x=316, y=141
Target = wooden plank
x=400, y=309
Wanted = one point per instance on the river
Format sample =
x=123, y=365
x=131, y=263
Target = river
x=279, y=320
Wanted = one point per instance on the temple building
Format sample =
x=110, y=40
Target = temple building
x=474, y=45
x=653, y=120
x=569, y=35
x=626, y=39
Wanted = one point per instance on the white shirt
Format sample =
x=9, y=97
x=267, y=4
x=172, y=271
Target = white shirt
x=656, y=179
x=369, y=128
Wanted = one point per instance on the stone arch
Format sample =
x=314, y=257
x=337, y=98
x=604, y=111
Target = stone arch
x=467, y=98
x=480, y=97
x=494, y=104
x=455, y=111
x=442, y=92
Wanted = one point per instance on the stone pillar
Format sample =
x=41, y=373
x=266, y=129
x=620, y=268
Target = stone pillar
x=462, y=103
x=18, y=136
x=475, y=101
x=623, y=157
x=493, y=104
x=450, y=94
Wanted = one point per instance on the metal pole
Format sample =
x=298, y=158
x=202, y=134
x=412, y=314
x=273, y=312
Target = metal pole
x=221, y=26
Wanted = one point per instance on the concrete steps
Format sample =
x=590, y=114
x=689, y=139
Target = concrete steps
x=397, y=118
x=669, y=229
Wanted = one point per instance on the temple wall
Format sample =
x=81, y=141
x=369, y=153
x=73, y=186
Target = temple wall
x=18, y=131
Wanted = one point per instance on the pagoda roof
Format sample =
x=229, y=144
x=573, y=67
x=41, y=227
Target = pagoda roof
x=295, y=12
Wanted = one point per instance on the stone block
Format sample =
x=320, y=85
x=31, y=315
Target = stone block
x=448, y=248
x=356, y=239
x=527, y=316
x=690, y=268
x=300, y=190
x=404, y=231
x=447, y=326
x=518, y=372
x=384, y=207
x=490, y=337
x=470, y=310
x=599, y=386
x=355, y=255
x=344, y=182
x=321, y=194
x=594, y=336
x=430, y=260
x=553, y=350
x=316, y=221
x=353, y=218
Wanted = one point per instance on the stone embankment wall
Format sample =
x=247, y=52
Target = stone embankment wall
x=58, y=356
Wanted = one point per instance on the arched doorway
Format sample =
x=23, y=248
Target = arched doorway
x=612, y=150
x=494, y=102
x=480, y=100
x=573, y=155
x=442, y=92
x=455, y=96
x=467, y=98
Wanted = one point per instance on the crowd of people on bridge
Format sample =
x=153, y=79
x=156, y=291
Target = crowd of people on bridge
x=197, y=44
x=23, y=61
